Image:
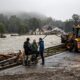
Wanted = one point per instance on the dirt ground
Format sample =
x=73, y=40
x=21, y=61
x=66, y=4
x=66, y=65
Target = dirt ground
x=45, y=74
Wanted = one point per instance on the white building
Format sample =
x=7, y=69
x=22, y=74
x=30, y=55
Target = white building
x=38, y=32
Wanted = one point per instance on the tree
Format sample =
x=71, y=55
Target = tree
x=34, y=23
x=13, y=25
x=2, y=29
x=76, y=19
x=68, y=25
x=23, y=28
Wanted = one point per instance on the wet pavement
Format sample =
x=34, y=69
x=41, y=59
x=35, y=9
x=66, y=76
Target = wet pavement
x=63, y=60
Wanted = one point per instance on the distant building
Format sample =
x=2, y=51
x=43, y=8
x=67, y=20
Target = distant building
x=47, y=29
x=38, y=32
x=55, y=30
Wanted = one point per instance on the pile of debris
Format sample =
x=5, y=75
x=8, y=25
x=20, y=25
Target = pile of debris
x=8, y=60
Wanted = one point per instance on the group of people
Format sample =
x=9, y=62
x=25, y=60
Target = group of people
x=34, y=48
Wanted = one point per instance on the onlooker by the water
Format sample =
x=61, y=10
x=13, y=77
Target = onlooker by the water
x=41, y=49
x=27, y=49
x=34, y=47
x=34, y=51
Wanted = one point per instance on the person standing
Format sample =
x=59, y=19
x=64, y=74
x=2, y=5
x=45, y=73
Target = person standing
x=34, y=47
x=41, y=50
x=27, y=49
x=34, y=51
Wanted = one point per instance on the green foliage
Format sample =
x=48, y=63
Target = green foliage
x=14, y=24
x=69, y=23
x=34, y=23
x=76, y=19
x=2, y=28
x=23, y=28
x=68, y=26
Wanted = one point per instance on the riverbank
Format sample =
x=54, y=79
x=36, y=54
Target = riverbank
x=12, y=59
x=48, y=52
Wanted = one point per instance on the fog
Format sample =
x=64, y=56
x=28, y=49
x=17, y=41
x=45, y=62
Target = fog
x=58, y=9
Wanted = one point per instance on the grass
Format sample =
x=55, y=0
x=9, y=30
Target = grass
x=54, y=50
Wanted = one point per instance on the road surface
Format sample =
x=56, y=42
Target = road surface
x=63, y=60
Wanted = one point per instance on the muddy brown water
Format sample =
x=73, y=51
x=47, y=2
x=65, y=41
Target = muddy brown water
x=15, y=43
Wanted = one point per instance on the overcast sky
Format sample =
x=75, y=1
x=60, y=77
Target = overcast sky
x=58, y=9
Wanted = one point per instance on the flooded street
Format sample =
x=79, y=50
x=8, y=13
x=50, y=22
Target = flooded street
x=15, y=43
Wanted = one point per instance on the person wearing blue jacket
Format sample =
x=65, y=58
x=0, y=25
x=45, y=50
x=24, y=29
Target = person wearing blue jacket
x=41, y=49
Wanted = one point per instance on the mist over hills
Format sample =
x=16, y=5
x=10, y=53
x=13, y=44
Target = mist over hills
x=25, y=15
x=26, y=21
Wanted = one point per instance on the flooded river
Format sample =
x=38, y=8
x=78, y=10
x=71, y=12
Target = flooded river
x=15, y=43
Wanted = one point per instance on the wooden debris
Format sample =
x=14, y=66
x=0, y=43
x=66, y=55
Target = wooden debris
x=10, y=61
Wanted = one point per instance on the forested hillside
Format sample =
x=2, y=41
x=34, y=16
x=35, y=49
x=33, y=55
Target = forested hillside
x=24, y=22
